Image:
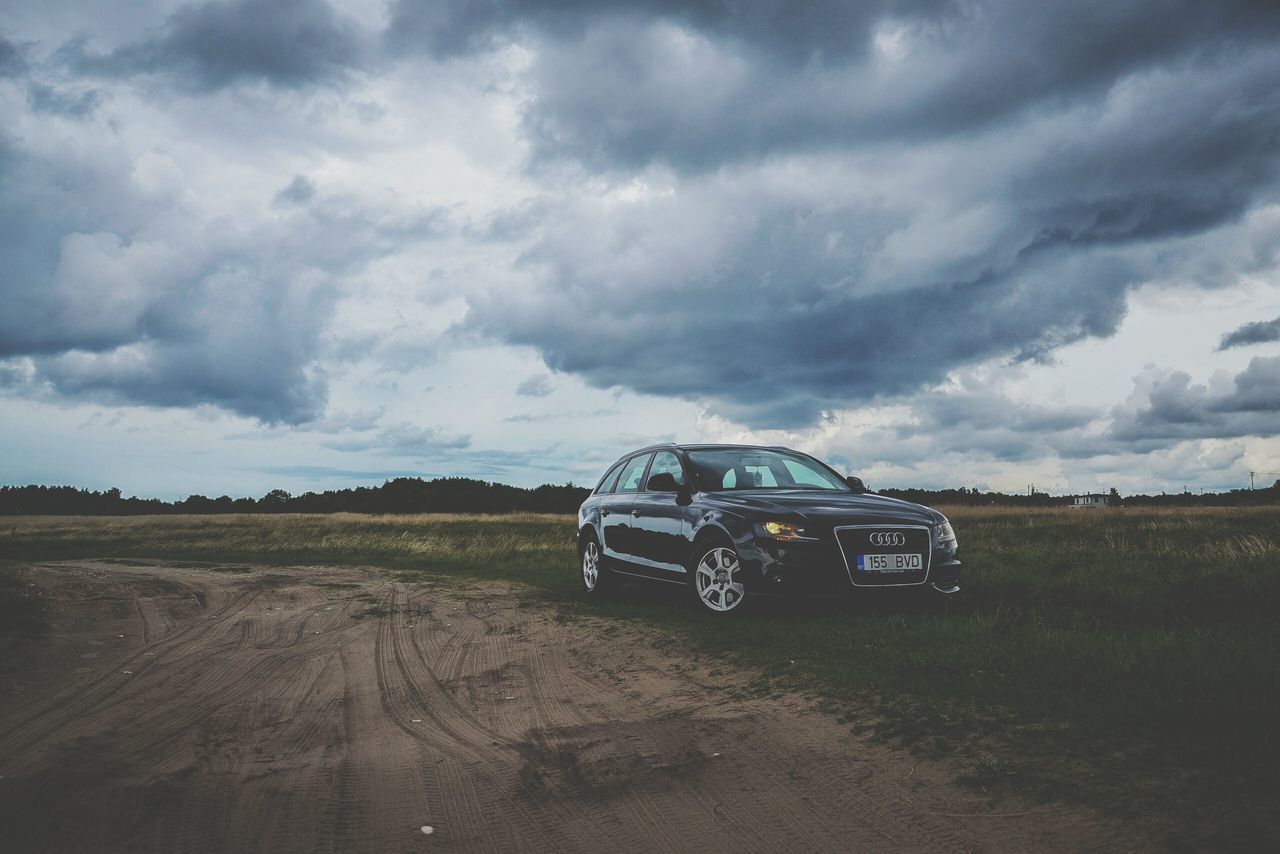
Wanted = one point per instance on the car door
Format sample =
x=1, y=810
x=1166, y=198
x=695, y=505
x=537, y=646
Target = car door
x=659, y=523
x=615, y=508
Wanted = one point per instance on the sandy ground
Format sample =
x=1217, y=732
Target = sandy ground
x=314, y=709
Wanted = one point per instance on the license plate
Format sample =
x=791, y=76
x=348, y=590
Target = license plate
x=890, y=563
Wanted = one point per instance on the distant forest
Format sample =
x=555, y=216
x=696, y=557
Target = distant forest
x=401, y=495
x=464, y=495
x=976, y=498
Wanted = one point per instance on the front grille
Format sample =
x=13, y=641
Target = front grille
x=862, y=541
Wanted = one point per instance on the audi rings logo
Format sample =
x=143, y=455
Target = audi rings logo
x=888, y=538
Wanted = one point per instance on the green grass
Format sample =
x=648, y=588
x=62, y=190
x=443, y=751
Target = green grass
x=1126, y=659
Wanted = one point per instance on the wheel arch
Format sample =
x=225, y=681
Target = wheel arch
x=587, y=531
x=710, y=530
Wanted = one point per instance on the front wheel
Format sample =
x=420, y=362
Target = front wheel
x=717, y=581
x=595, y=578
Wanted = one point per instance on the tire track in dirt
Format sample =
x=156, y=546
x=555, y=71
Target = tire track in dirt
x=83, y=699
x=475, y=626
x=270, y=712
x=179, y=664
x=410, y=687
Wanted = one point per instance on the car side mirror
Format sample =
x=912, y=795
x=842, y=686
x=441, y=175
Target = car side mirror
x=856, y=484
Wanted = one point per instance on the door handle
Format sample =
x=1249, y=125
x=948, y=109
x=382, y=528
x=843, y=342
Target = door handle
x=635, y=512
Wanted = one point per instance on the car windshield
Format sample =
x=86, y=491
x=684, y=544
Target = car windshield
x=749, y=468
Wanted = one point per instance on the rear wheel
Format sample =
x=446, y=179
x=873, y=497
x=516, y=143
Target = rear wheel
x=717, y=582
x=595, y=578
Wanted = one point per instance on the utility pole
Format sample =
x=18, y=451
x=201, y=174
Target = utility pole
x=1253, y=473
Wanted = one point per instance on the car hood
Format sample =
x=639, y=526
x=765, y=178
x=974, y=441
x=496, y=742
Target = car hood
x=825, y=506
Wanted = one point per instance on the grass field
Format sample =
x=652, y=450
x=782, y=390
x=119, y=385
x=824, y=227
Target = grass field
x=1128, y=659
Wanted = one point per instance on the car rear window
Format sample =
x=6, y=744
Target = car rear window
x=632, y=472
x=609, y=482
x=665, y=462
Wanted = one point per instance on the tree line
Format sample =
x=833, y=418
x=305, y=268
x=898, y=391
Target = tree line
x=466, y=495
x=401, y=495
x=977, y=498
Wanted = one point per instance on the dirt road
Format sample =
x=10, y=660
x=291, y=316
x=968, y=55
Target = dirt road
x=316, y=709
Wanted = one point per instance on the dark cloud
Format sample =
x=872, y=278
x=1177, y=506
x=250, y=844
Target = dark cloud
x=1259, y=332
x=979, y=409
x=211, y=45
x=798, y=32
x=1052, y=46
x=1257, y=390
x=267, y=379
x=689, y=85
x=1160, y=430
x=334, y=422
x=538, y=385
x=869, y=259
x=72, y=103
x=778, y=211
x=772, y=324
x=299, y=191
x=118, y=293
x=45, y=198
x=13, y=60
x=974, y=422
x=1168, y=407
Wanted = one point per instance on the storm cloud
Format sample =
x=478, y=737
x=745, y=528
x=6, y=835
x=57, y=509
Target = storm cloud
x=118, y=291
x=207, y=46
x=693, y=84
x=815, y=227
x=777, y=215
x=1167, y=406
x=1258, y=332
x=12, y=60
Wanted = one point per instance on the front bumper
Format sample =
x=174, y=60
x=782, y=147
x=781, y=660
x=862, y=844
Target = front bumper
x=817, y=568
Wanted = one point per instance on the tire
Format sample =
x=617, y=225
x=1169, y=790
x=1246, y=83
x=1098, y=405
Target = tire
x=596, y=579
x=714, y=577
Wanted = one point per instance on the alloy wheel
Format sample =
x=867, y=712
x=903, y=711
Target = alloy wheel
x=591, y=565
x=715, y=580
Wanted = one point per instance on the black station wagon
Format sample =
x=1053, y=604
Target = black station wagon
x=734, y=521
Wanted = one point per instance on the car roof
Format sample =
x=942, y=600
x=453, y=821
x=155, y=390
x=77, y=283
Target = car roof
x=702, y=446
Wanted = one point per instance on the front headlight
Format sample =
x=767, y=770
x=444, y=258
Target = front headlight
x=781, y=530
x=943, y=533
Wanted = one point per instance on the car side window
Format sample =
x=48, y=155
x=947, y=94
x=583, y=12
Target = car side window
x=632, y=473
x=665, y=462
x=610, y=481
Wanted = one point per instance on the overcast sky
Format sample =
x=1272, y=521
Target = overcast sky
x=248, y=244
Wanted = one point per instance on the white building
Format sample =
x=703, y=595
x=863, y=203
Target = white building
x=1096, y=499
